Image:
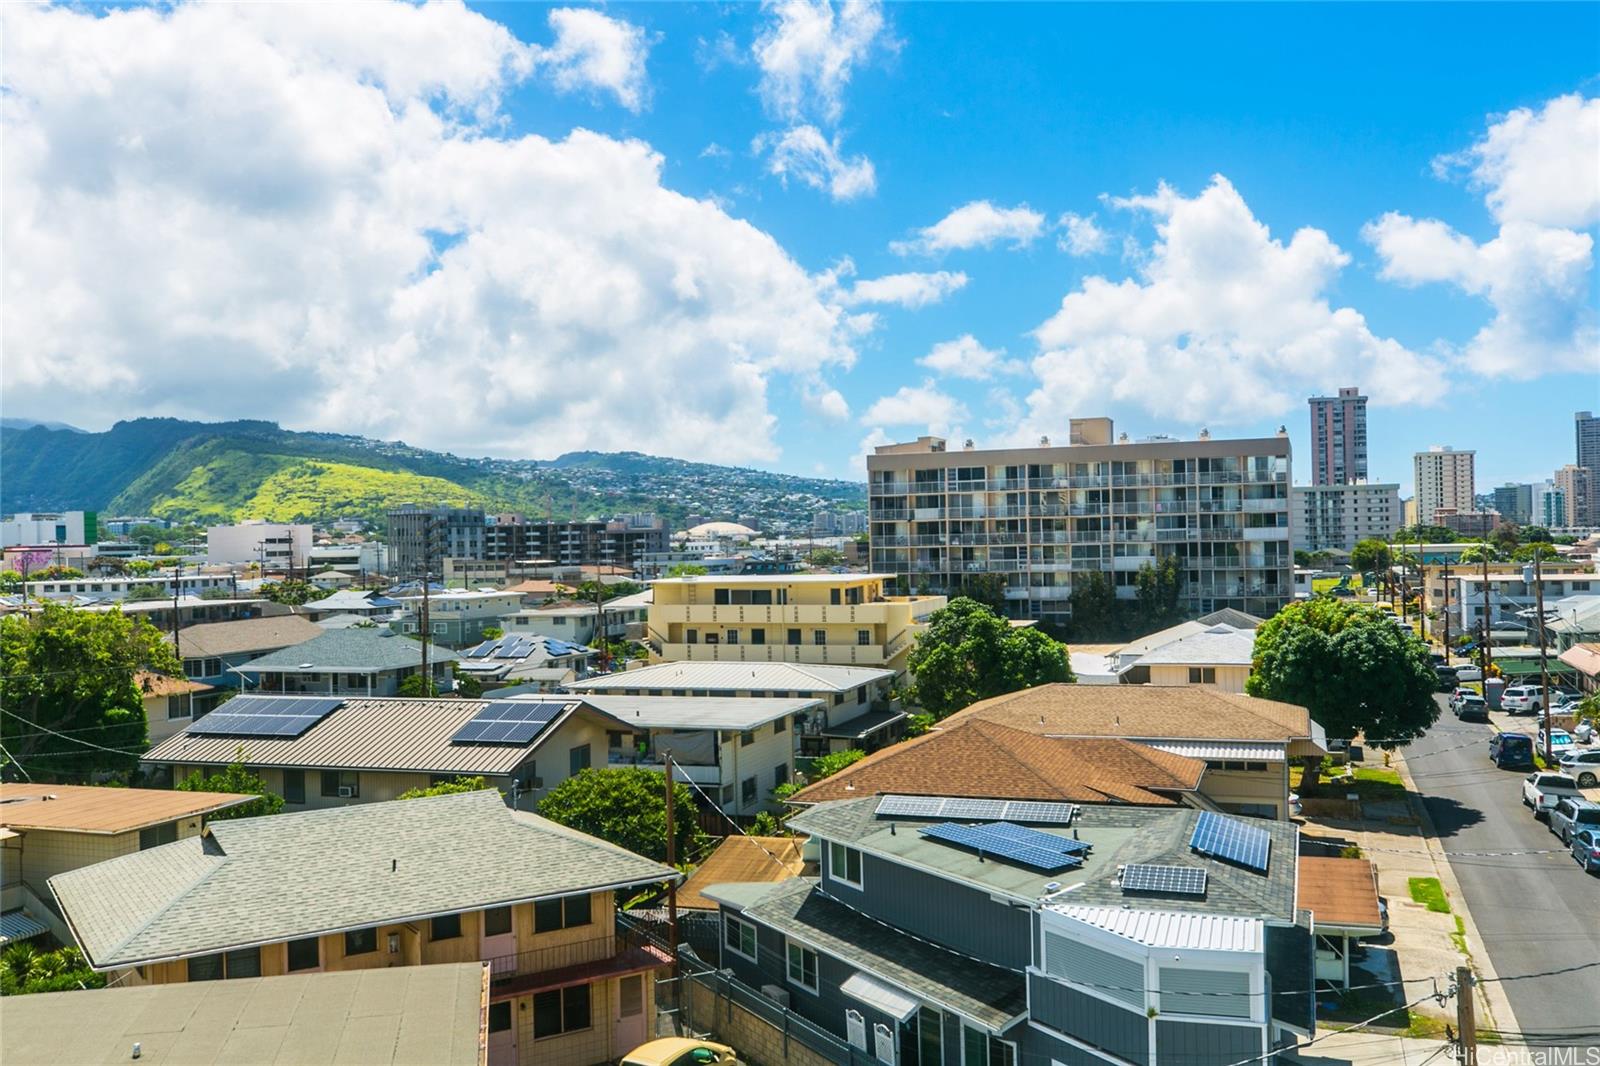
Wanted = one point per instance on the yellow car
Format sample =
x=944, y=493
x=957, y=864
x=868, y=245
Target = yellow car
x=677, y=1051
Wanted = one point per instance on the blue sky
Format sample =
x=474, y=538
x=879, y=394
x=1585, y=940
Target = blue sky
x=1254, y=184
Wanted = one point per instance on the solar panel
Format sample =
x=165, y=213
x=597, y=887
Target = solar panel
x=1171, y=880
x=483, y=651
x=1001, y=845
x=266, y=716
x=974, y=810
x=957, y=808
x=1231, y=840
x=1043, y=813
x=1034, y=837
x=513, y=722
x=910, y=806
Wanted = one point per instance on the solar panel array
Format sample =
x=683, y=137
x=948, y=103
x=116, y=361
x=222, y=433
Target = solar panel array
x=266, y=716
x=977, y=810
x=512, y=647
x=511, y=722
x=1168, y=880
x=1014, y=843
x=1231, y=840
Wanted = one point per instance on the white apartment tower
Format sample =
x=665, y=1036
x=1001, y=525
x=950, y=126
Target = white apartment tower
x=1444, y=478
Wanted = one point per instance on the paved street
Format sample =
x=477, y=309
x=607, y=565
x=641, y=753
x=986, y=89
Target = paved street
x=1534, y=912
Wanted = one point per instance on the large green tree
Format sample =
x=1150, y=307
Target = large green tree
x=69, y=704
x=969, y=653
x=1157, y=589
x=1352, y=668
x=235, y=778
x=1371, y=556
x=627, y=806
x=1475, y=554
x=293, y=593
x=1094, y=605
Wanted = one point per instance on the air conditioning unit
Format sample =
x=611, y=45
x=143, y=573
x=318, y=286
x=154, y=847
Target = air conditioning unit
x=537, y=782
x=346, y=792
x=777, y=993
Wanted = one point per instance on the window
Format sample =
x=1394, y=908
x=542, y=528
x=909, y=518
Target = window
x=978, y=1048
x=305, y=954
x=565, y=912
x=863, y=637
x=691, y=636
x=780, y=724
x=578, y=759
x=497, y=921
x=178, y=707
x=747, y=737
x=157, y=835
x=733, y=636
x=780, y=776
x=245, y=963
x=560, y=1010
x=844, y=864
x=930, y=1035
x=294, y=786
x=445, y=927
x=802, y=966
x=1202, y=675
x=361, y=941
x=758, y=636
x=205, y=968
x=861, y=694
x=793, y=636
x=747, y=790
x=630, y=996
x=500, y=1016
x=739, y=936
x=819, y=636
x=334, y=780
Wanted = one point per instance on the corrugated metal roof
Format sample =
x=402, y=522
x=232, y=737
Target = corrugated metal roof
x=15, y=925
x=737, y=677
x=365, y=734
x=108, y=811
x=696, y=712
x=1169, y=929
x=1221, y=749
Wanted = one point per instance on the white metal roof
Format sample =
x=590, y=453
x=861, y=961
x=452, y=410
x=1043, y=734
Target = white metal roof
x=1171, y=929
x=771, y=579
x=874, y=993
x=694, y=712
x=1219, y=645
x=736, y=677
x=1221, y=749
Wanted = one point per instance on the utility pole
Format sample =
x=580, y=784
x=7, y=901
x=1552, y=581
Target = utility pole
x=1466, y=1020
x=1488, y=653
x=1447, y=614
x=672, y=855
x=177, y=590
x=1544, y=666
x=423, y=625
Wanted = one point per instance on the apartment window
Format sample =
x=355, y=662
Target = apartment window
x=726, y=795
x=780, y=776
x=560, y=1010
x=792, y=636
x=733, y=636
x=691, y=636
x=565, y=912
x=333, y=781
x=497, y=921
x=157, y=835
x=747, y=790
x=294, y=786
x=780, y=724
x=1202, y=675
x=361, y=941
x=844, y=864
x=747, y=737
x=500, y=1016
x=863, y=637
x=758, y=636
x=802, y=966
x=578, y=759
x=178, y=707
x=819, y=636
x=861, y=694
x=445, y=927
x=739, y=936
x=305, y=954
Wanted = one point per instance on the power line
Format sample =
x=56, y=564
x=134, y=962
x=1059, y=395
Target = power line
x=63, y=736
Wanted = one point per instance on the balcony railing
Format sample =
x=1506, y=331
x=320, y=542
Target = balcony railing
x=563, y=956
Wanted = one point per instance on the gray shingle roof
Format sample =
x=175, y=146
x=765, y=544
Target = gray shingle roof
x=247, y=634
x=268, y=879
x=1218, y=646
x=352, y=649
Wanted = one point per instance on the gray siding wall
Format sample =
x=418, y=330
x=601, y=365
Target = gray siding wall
x=1041, y=1049
x=1198, y=1044
x=1290, y=952
x=1217, y=992
x=1120, y=978
x=945, y=912
x=1091, y=1020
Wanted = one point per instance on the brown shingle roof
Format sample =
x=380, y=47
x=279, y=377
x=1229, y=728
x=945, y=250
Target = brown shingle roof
x=90, y=809
x=1175, y=712
x=742, y=859
x=1339, y=891
x=247, y=634
x=983, y=759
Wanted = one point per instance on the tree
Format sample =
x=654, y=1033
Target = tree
x=987, y=589
x=1535, y=533
x=1526, y=552
x=10, y=582
x=687, y=570
x=969, y=653
x=1157, y=591
x=590, y=591
x=139, y=567
x=825, y=557
x=55, y=573
x=72, y=672
x=1371, y=556
x=467, y=686
x=446, y=788
x=235, y=778
x=830, y=764
x=1476, y=554
x=626, y=806
x=492, y=632
x=24, y=969
x=416, y=685
x=1302, y=558
x=1427, y=534
x=1352, y=668
x=293, y=593
x=148, y=592
x=1094, y=604
x=1506, y=538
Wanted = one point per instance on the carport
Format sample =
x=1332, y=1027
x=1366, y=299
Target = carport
x=1342, y=896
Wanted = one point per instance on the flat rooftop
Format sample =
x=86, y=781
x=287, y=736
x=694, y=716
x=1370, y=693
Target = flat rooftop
x=771, y=579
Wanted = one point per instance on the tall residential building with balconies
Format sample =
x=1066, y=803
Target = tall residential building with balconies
x=1514, y=501
x=1339, y=438
x=1444, y=479
x=836, y=619
x=1588, y=456
x=1338, y=517
x=1037, y=518
x=1577, y=482
x=420, y=538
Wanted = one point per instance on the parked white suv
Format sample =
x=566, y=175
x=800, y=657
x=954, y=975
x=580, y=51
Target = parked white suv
x=1583, y=766
x=1522, y=699
x=1542, y=790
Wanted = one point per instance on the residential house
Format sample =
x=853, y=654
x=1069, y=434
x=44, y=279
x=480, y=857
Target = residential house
x=215, y=652
x=1572, y=620
x=1584, y=662
x=457, y=618
x=190, y=610
x=347, y=662
x=856, y=711
x=170, y=703
x=747, y=860
x=442, y=879
x=512, y=660
x=1247, y=743
x=1509, y=594
x=830, y=619
x=371, y=605
x=332, y=580
x=433, y=1014
x=1342, y=896
x=50, y=829
x=1219, y=655
x=569, y=620
x=124, y=586
x=1034, y=932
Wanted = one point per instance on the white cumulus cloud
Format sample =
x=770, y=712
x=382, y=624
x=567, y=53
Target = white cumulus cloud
x=805, y=154
x=808, y=51
x=979, y=224
x=312, y=214
x=965, y=357
x=1080, y=235
x=1540, y=172
x=1224, y=323
x=916, y=405
x=911, y=290
x=592, y=51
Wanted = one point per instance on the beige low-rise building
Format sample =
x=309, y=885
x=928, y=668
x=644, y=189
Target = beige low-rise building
x=1218, y=656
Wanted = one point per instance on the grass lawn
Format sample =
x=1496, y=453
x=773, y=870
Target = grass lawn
x=1429, y=892
x=1377, y=785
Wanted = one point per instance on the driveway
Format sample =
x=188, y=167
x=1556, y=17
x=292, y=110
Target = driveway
x=1537, y=913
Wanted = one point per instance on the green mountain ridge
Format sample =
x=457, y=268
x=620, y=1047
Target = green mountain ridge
x=226, y=471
